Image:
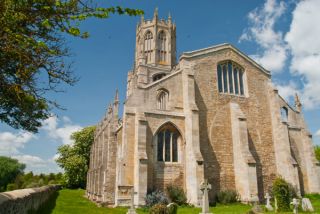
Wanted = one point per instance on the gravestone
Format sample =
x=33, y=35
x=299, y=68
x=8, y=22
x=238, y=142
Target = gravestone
x=268, y=205
x=295, y=203
x=306, y=205
x=205, y=187
x=132, y=210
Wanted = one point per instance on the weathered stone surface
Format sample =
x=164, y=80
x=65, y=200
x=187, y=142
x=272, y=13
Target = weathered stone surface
x=237, y=142
x=306, y=205
x=23, y=200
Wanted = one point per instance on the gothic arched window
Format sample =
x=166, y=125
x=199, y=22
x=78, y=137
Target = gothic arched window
x=162, y=46
x=163, y=99
x=148, y=45
x=230, y=78
x=167, y=144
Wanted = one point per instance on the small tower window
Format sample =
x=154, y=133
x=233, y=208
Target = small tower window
x=162, y=46
x=158, y=76
x=284, y=114
x=230, y=78
x=163, y=99
x=148, y=46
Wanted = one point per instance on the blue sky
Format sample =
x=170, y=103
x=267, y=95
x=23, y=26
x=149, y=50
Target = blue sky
x=280, y=35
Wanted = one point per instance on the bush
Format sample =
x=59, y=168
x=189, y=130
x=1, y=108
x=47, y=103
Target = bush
x=159, y=209
x=281, y=192
x=227, y=197
x=156, y=197
x=176, y=194
x=11, y=187
x=172, y=208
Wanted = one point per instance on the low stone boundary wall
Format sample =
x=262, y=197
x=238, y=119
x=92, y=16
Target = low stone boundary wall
x=24, y=200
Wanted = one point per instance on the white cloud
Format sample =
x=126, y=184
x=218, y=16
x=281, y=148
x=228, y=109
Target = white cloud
x=262, y=31
x=318, y=133
x=10, y=143
x=31, y=161
x=300, y=46
x=62, y=133
x=303, y=40
x=287, y=91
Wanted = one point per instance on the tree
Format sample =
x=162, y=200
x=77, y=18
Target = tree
x=32, y=53
x=317, y=151
x=74, y=159
x=9, y=169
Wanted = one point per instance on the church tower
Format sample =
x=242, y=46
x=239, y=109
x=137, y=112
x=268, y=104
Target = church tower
x=156, y=42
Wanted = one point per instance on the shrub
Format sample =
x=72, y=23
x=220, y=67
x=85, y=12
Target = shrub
x=172, y=208
x=281, y=192
x=11, y=187
x=156, y=197
x=227, y=197
x=159, y=209
x=176, y=194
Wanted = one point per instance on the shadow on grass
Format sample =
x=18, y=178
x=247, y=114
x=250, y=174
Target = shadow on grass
x=48, y=206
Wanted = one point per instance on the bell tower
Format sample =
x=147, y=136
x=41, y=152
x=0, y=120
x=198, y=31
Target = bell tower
x=156, y=42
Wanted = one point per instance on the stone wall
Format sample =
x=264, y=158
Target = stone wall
x=23, y=200
x=216, y=140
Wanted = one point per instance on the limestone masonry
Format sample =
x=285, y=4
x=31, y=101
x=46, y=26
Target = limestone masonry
x=212, y=115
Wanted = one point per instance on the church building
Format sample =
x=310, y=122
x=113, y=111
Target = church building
x=213, y=114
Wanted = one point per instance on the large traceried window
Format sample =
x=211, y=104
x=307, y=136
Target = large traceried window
x=163, y=99
x=148, y=46
x=230, y=78
x=162, y=47
x=167, y=144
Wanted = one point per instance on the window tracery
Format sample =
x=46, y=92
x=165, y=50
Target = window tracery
x=162, y=47
x=167, y=145
x=148, y=46
x=230, y=78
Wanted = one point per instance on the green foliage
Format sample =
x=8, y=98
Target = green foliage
x=176, y=194
x=29, y=180
x=9, y=169
x=156, y=197
x=317, y=152
x=281, y=192
x=11, y=187
x=227, y=197
x=74, y=159
x=33, y=51
x=172, y=208
x=159, y=209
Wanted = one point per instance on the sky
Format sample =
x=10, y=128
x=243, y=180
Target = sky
x=282, y=36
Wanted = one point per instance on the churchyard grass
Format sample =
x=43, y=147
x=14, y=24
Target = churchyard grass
x=73, y=202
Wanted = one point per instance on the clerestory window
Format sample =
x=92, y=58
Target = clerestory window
x=167, y=145
x=284, y=114
x=230, y=78
x=148, y=46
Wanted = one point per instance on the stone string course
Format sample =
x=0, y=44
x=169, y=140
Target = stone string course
x=24, y=200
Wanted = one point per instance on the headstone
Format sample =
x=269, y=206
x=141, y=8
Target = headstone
x=295, y=203
x=132, y=210
x=268, y=205
x=205, y=187
x=306, y=205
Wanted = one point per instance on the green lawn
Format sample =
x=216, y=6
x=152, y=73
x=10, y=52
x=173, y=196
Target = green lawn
x=73, y=202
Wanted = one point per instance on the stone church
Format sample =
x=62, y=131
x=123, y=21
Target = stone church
x=213, y=114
